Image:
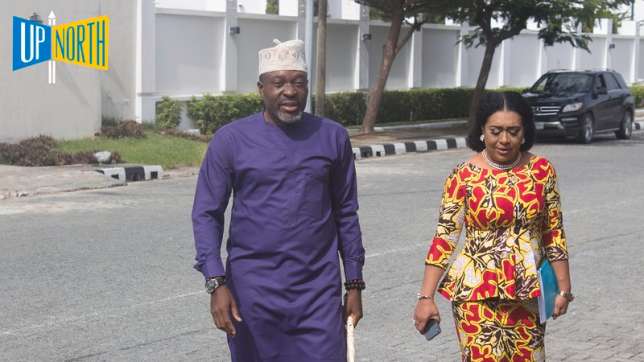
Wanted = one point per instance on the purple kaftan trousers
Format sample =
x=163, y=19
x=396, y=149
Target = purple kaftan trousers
x=294, y=214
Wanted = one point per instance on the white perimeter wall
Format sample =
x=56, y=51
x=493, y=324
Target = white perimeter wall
x=188, y=54
x=191, y=59
x=257, y=34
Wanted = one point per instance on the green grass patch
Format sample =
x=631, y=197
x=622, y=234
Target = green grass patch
x=156, y=149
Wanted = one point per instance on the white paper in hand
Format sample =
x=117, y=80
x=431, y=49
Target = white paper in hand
x=351, y=348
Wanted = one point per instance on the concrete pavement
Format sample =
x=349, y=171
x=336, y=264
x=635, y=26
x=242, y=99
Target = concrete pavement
x=27, y=181
x=82, y=280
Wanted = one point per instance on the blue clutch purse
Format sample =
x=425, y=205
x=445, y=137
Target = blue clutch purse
x=549, y=290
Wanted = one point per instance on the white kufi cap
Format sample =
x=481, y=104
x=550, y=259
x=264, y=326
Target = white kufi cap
x=288, y=55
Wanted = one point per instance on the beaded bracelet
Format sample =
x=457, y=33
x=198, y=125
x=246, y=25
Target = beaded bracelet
x=422, y=297
x=355, y=284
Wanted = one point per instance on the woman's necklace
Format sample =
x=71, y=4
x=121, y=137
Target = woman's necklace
x=499, y=166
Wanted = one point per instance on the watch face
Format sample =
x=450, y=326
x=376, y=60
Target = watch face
x=213, y=283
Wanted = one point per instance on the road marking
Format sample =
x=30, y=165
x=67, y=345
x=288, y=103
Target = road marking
x=57, y=206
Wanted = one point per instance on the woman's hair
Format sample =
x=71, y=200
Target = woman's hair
x=492, y=102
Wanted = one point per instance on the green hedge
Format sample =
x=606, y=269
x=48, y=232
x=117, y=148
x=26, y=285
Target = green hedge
x=210, y=112
x=638, y=93
x=348, y=108
x=168, y=113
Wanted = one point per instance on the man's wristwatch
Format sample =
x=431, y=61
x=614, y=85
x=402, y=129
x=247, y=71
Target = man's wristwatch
x=213, y=283
x=567, y=295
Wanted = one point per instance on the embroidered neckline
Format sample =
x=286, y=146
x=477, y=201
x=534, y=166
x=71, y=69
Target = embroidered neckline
x=527, y=165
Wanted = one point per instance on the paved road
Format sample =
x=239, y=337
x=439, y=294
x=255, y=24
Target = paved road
x=106, y=275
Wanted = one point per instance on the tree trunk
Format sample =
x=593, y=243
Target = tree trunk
x=486, y=65
x=320, y=60
x=388, y=56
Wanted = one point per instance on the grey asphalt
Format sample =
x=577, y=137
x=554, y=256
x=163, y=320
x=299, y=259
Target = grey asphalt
x=105, y=275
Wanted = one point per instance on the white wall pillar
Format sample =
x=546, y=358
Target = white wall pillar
x=575, y=53
x=300, y=27
x=461, y=58
x=609, y=44
x=504, y=63
x=361, y=77
x=635, y=58
x=145, y=103
x=415, y=73
x=229, y=65
x=541, y=58
x=304, y=32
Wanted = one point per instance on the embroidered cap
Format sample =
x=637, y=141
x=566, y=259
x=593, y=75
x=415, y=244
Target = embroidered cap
x=288, y=55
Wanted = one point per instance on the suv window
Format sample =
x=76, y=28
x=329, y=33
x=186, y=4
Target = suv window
x=599, y=83
x=562, y=83
x=620, y=80
x=611, y=82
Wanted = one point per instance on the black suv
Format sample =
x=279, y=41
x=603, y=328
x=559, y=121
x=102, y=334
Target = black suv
x=581, y=104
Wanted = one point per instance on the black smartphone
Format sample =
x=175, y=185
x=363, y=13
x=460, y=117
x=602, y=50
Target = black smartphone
x=432, y=329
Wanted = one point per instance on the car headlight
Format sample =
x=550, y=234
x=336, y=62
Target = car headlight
x=572, y=107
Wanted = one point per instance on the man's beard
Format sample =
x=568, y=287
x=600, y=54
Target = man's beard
x=287, y=118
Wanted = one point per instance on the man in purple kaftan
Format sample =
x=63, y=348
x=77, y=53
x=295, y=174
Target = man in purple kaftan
x=294, y=212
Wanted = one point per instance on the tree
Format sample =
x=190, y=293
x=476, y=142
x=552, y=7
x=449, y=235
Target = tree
x=272, y=7
x=397, y=12
x=320, y=59
x=498, y=20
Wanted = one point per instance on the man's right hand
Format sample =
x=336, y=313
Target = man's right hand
x=222, y=307
x=425, y=310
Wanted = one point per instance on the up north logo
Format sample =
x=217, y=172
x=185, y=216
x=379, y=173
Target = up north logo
x=84, y=42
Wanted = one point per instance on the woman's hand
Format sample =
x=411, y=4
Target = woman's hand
x=425, y=310
x=561, y=306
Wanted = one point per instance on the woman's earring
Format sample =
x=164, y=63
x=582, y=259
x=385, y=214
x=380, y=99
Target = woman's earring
x=482, y=138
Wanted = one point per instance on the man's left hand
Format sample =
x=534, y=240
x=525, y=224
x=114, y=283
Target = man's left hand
x=353, y=306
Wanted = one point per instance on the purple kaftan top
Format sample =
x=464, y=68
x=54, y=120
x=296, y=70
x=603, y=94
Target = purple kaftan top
x=294, y=209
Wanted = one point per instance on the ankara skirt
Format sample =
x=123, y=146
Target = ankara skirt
x=494, y=330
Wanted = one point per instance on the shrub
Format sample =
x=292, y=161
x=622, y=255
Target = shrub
x=124, y=129
x=109, y=122
x=38, y=151
x=41, y=151
x=84, y=157
x=638, y=93
x=210, y=112
x=168, y=113
x=272, y=7
x=181, y=134
x=10, y=153
x=348, y=108
x=395, y=107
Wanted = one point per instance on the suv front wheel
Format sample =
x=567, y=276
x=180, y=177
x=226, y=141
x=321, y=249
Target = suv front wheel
x=626, y=128
x=587, y=129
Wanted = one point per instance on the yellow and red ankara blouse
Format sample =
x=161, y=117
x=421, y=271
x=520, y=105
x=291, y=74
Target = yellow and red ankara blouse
x=511, y=219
